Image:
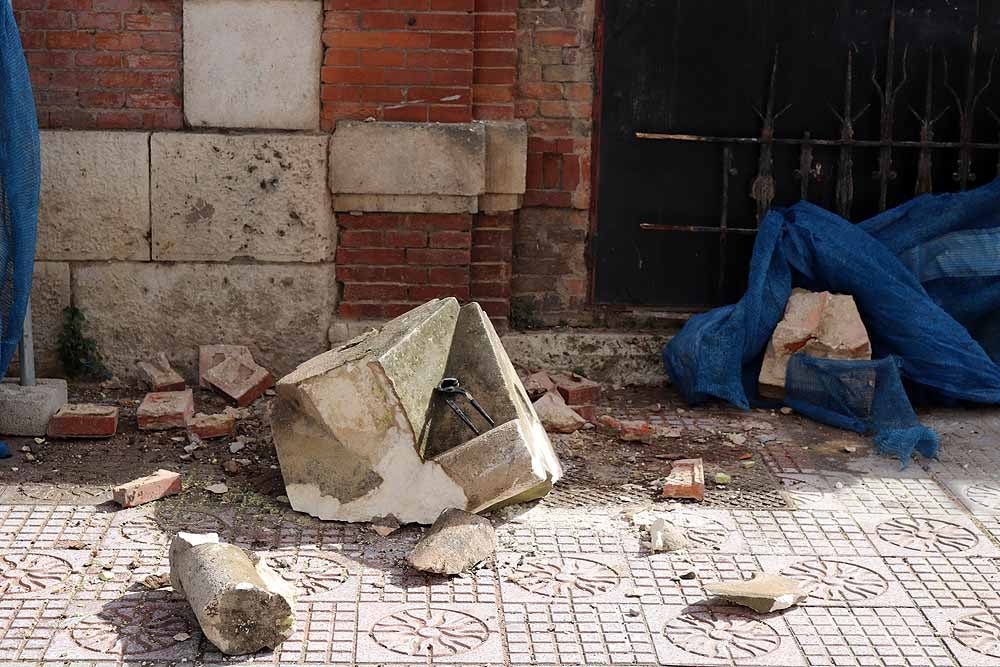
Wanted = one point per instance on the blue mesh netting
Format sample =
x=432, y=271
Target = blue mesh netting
x=924, y=277
x=20, y=174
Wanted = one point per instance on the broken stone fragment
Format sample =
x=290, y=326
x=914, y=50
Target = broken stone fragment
x=207, y=427
x=385, y=525
x=455, y=543
x=84, y=420
x=240, y=379
x=210, y=356
x=686, y=480
x=538, y=384
x=665, y=536
x=160, y=484
x=819, y=324
x=241, y=606
x=159, y=375
x=165, y=410
x=556, y=416
x=361, y=431
x=765, y=593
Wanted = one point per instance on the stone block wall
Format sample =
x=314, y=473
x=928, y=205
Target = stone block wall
x=378, y=153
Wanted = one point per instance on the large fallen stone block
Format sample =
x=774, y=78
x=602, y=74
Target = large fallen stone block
x=457, y=542
x=819, y=324
x=240, y=605
x=361, y=433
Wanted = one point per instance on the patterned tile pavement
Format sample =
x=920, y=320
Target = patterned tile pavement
x=903, y=568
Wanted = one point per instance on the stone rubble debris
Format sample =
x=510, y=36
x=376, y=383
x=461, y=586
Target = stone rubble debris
x=160, y=484
x=556, y=416
x=538, y=384
x=819, y=324
x=160, y=411
x=628, y=430
x=242, y=606
x=722, y=478
x=84, y=420
x=159, y=375
x=207, y=427
x=455, y=543
x=218, y=489
x=765, y=593
x=361, y=431
x=686, y=480
x=385, y=525
x=665, y=536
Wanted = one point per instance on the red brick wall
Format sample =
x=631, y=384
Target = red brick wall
x=105, y=64
x=555, y=95
x=495, y=60
x=389, y=263
x=407, y=60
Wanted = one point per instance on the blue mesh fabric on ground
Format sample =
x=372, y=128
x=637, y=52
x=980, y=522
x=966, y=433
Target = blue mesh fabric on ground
x=949, y=242
x=20, y=175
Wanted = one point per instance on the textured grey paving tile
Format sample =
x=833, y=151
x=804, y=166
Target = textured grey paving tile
x=981, y=497
x=38, y=573
x=132, y=628
x=567, y=539
x=842, y=580
x=54, y=494
x=906, y=535
x=784, y=458
x=939, y=581
x=708, y=530
x=389, y=633
x=814, y=533
x=325, y=634
x=666, y=578
x=398, y=584
x=112, y=574
x=690, y=636
x=51, y=526
x=892, y=495
x=316, y=574
x=973, y=635
x=26, y=627
x=809, y=492
x=577, y=634
x=866, y=636
x=150, y=528
x=549, y=577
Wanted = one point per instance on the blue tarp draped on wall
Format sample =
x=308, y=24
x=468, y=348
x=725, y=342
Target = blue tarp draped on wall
x=924, y=276
x=20, y=173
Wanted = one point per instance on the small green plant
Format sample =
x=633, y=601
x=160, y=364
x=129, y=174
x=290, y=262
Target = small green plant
x=78, y=354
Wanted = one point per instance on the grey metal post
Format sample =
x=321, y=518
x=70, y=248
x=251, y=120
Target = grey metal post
x=26, y=352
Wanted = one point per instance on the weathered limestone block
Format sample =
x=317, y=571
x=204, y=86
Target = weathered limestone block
x=556, y=416
x=361, y=433
x=94, y=196
x=237, y=603
x=407, y=167
x=262, y=196
x=819, y=324
x=252, y=63
x=281, y=312
x=506, y=165
x=765, y=593
x=457, y=542
x=50, y=295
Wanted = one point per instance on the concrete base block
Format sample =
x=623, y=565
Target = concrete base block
x=26, y=411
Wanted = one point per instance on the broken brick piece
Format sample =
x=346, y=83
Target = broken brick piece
x=84, y=420
x=159, y=375
x=207, y=427
x=210, y=356
x=686, y=480
x=241, y=379
x=538, y=384
x=160, y=484
x=577, y=390
x=166, y=409
x=588, y=412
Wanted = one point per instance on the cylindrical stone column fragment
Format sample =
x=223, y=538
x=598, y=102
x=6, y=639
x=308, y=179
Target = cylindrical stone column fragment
x=239, y=604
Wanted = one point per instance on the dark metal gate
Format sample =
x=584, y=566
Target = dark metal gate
x=715, y=110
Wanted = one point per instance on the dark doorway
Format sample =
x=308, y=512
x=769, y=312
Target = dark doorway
x=714, y=110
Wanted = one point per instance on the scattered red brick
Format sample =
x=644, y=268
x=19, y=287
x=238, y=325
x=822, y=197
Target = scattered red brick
x=240, y=379
x=630, y=431
x=160, y=484
x=84, y=420
x=588, y=412
x=577, y=390
x=165, y=410
x=210, y=356
x=159, y=375
x=538, y=384
x=686, y=480
x=207, y=427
